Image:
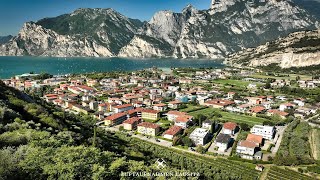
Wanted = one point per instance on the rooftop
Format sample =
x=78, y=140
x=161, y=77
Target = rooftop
x=173, y=130
x=200, y=132
x=115, y=116
x=223, y=138
x=149, y=125
x=131, y=120
x=248, y=144
x=230, y=125
x=254, y=138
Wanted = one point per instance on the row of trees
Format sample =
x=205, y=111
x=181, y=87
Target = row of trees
x=295, y=147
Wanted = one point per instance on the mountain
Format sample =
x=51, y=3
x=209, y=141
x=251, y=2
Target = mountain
x=312, y=6
x=85, y=32
x=227, y=27
x=299, y=49
x=5, y=39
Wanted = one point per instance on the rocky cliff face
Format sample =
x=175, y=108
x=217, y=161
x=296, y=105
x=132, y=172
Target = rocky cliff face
x=85, y=32
x=227, y=27
x=297, y=50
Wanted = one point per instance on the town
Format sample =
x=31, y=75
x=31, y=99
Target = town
x=230, y=112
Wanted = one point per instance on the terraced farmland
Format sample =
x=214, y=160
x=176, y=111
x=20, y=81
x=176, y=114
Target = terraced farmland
x=276, y=173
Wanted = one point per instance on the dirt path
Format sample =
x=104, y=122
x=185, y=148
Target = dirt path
x=265, y=172
x=314, y=144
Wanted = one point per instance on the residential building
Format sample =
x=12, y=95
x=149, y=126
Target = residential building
x=172, y=132
x=131, y=123
x=257, y=110
x=148, y=128
x=267, y=132
x=115, y=119
x=122, y=108
x=172, y=115
x=229, y=128
x=248, y=150
x=282, y=114
x=160, y=107
x=257, y=139
x=207, y=124
x=286, y=106
x=223, y=142
x=219, y=103
x=150, y=114
x=174, y=104
x=183, y=121
x=199, y=136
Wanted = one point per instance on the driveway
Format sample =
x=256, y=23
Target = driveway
x=278, y=138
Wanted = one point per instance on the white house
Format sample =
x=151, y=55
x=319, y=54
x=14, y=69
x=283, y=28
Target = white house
x=285, y=106
x=183, y=121
x=267, y=132
x=229, y=128
x=199, y=136
x=172, y=115
x=207, y=124
x=247, y=149
x=223, y=141
x=172, y=132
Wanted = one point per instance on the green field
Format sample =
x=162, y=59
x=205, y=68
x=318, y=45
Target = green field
x=190, y=108
x=233, y=117
x=290, y=77
x=276, y=173
x=315, y=140
x=238, y=83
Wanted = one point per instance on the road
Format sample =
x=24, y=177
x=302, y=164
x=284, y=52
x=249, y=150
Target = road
x=160, y=142
x=278, y=139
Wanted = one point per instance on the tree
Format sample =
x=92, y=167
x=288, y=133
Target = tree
x=200, y=118
x=187, y=141
x=244, y=126
x=200, y=149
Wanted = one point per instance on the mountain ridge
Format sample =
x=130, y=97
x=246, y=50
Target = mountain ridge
x=223, y=29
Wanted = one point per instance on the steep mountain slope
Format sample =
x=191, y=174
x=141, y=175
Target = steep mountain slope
x=312, y=6
x=85, y=32
x=227, y=27
x=297, y=50
x=5, y=39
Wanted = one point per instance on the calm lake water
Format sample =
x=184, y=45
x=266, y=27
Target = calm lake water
x=10, y=66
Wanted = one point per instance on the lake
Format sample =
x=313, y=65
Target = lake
x=10, y=66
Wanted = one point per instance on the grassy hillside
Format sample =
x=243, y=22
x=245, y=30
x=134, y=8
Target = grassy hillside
x=42, y=142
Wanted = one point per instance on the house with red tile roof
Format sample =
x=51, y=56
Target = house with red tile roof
x=257, y=110
x=122, y=108
x=174, y=104
x=160, y=107
x=258, y=139
x=148, y=128
x=282, y=114
x=219, y=103
x=248, y=150
x=131, y=123
x=183, y=121
x=115, y=119
x=229, y=128
x=150, y=114
x=172, y=132
x=172, y=115
x=286, y=106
